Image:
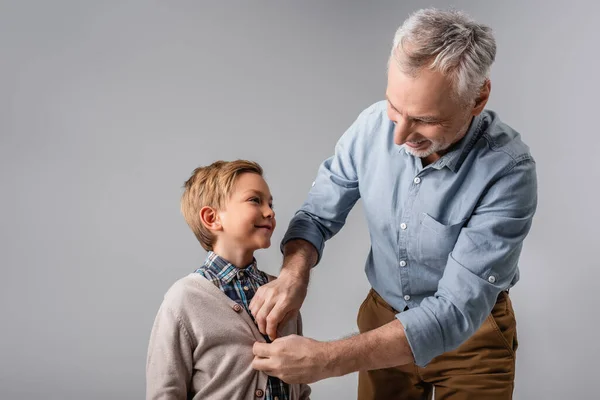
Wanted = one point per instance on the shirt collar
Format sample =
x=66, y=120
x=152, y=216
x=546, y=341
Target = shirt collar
x=459, y=151
x=226, y=271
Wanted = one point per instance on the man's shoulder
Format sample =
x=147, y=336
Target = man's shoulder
x=370, y=123
x=374, y=113
x=377, y=108
x=503, y=140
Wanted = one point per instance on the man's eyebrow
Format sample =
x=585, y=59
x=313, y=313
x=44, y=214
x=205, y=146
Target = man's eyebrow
x=390, y=103
x=426, y=118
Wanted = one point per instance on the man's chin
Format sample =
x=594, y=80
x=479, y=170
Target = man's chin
x=421, y=153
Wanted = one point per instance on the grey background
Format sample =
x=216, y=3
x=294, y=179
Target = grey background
x=107, y=107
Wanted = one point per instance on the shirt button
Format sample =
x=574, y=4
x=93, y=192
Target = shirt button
x=246, y=288
x=492, y=279
x=241, y=274
x=417, y=180
x=406, y=297
x=403, y=263
x=403, y=226
x=276, y=398
x=237, y=308
x=259, y=393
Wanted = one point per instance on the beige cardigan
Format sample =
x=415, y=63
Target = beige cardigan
x=201, y=347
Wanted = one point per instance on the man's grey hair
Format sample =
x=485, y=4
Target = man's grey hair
x=449, y=42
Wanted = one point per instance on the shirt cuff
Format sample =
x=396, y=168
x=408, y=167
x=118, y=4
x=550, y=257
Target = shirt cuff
x=302, y=227
x=423, y=333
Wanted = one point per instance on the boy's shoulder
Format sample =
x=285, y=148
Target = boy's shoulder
x=194, y=286
x=188, y=290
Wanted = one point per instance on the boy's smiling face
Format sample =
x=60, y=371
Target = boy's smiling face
x=247, y=221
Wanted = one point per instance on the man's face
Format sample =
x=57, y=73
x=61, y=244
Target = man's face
x=248, y=219
x=427, y=118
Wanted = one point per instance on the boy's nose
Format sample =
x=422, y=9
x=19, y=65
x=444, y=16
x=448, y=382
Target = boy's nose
x=268, y=212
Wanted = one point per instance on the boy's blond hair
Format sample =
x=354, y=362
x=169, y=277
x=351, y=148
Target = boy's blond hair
x=211, y=186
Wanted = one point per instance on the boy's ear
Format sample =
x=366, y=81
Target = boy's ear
x=210, y=218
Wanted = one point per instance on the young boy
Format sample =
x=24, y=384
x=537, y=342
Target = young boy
x=201, y=342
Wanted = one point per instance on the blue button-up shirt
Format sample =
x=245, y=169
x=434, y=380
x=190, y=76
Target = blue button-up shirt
x=445, y=238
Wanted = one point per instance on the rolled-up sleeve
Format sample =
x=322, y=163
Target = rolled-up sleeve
x=333, y=194
x=482, y=264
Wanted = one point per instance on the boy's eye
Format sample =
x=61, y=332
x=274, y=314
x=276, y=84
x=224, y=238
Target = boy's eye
x=254, y=199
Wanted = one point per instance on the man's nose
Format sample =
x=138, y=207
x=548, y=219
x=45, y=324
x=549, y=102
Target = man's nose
x=402, y=130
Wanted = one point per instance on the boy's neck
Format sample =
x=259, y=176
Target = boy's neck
x=239, y=258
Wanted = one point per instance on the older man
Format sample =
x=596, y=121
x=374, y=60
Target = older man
x=449, y=193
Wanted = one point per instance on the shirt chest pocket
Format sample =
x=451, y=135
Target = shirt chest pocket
x=435, y=241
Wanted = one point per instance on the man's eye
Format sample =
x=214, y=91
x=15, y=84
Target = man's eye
x=254, y=199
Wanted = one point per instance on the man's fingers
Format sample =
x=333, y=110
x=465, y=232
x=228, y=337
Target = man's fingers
x=261, y=349
x=274, y=319
x=261, y=316
x=262, y=360
x=262, y=364
x=257, y=301
x=271, y=305
x=289, y=316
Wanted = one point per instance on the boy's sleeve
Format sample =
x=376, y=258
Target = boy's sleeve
x=169, y=361
x=305, y=390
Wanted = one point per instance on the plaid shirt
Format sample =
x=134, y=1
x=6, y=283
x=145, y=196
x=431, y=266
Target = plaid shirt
x=240, y=285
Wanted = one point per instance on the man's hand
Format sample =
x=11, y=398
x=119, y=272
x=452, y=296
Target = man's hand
x=280, y=300
x=293, y=359
x=297, y=359
x=277, y=302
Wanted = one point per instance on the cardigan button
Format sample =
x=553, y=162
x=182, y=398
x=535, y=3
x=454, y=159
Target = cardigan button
x=259, y=393
x=237, y=308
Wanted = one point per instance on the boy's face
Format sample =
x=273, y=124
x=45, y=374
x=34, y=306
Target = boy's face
x=248, y=219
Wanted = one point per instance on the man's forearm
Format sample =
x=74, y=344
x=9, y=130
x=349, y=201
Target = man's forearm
x=299, y=256
x=383, y=347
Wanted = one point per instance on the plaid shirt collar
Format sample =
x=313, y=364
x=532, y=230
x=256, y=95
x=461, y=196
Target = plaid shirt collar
x=226, y=271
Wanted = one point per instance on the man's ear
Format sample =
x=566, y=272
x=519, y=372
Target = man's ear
x=210, y=218
x=482, y=99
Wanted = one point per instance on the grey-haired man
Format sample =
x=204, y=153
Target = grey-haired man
x=449, y=192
